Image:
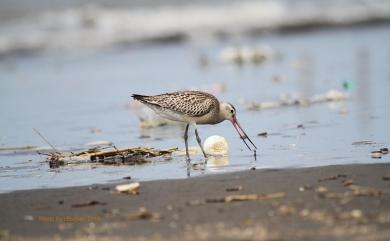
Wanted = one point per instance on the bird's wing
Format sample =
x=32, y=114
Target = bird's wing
x=191, y=103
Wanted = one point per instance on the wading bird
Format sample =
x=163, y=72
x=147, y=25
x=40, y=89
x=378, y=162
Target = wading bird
x=193, y=108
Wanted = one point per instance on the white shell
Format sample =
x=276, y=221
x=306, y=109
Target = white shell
x=130, y=188
x=216, y=145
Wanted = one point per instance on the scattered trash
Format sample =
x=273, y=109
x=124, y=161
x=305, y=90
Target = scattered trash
x=348, y=182
x=234, y=189
x=386, y=178
x=379, y=153
x=330, y=96
x=332, y=177
x=246, y=197
x=111, y=156
x=28, y=218
x=246, y=55
x=263, y=134
x=384, y=150
x=376, y=154
x=305, y=187
x=347, y=85
x=216, y=145
x=321, y=189
x=131, y=188
x=357, y=143
x=144, y=214
x=99, y=143
x=88, y=204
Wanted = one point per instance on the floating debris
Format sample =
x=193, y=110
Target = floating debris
x=357, y=143
x=379, y=153
x=132, y=188
x=111, y=156
x=305, y=187
x=246, y=55
x=376, y=154
x=286, y=100
x=88, y=204
x=216, y=145
x=144, y=214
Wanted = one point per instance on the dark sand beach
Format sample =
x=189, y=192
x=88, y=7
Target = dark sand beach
x=344, y=202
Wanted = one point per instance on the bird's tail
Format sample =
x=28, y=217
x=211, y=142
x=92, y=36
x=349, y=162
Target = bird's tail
x=139, y=97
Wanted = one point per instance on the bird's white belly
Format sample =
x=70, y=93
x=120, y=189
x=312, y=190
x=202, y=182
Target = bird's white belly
x=171, y=115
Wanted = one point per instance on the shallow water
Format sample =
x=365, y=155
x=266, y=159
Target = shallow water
x=68, y=96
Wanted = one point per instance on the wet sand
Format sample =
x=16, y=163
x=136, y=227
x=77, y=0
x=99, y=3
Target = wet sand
x=344, y=202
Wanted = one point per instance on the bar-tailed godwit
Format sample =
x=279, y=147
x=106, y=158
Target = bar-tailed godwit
x=192, y=108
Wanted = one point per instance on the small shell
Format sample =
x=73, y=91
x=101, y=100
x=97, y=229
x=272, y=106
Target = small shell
x=216, y=145
x=129, y=188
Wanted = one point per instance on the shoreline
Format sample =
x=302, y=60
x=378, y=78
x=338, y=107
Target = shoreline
x=343, y=202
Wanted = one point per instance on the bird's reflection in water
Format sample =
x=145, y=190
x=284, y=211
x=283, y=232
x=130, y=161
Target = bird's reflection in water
x=214, y=164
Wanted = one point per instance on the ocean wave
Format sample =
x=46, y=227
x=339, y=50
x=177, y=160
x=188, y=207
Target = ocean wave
x=93, y=27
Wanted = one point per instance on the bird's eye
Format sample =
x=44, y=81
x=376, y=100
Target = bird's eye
x=232, y=111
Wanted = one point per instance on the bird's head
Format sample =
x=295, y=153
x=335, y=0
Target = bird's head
x=228, y=112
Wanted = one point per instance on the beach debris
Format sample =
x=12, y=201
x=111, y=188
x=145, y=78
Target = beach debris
x=132, y=188
x=99, y=143
x=88, y=204
x=365, y=142
x=379, y=153
x=353, y=192
x=287, y=100
x=216, y=145
x=144, y=214
x=321, y=189
x=347, y=85
x=332, y=177
x=263, y=134
x=108, y=156
x=384, y=151
x=348, y=182
x=246, y=55
x=386, y=178
x=234, y=189
x=376, y=154
x=28, y=217
x=305, y=187
x=246, y=197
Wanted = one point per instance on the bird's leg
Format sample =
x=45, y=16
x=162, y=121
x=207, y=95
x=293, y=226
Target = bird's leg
x=200, y=143
x=186, y=142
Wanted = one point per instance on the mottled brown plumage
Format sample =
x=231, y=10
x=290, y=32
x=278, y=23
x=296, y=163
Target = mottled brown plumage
x=193, y=107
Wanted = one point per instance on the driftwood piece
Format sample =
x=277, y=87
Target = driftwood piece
x=112, y=156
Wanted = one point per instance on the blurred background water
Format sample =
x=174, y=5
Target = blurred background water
x=68, y=68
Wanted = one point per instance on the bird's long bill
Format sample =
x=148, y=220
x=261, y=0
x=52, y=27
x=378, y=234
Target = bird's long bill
x=242, y=133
